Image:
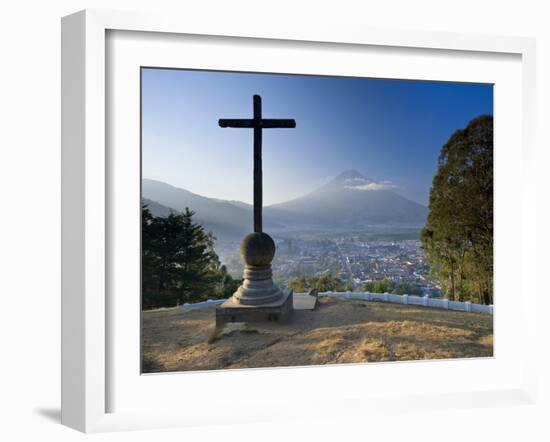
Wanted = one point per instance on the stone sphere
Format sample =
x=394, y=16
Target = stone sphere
x=257, y=249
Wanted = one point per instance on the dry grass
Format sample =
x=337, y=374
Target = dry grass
x=339, y=331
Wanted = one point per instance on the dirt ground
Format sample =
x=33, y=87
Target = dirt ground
x=338, y=331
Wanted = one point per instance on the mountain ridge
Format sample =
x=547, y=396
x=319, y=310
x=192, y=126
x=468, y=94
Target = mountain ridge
x=356, y=200
x=349, y=199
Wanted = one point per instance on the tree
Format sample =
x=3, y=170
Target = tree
x=458, y=236
x=227, y=285
x=148, y=257
x=157, y=286
x=406, y=288
x=369, y=286
x=197, y=263
x=323, y=283
x=179, y=263
x=385, y=285
x=299, y=284
x=346, y=287
x=382, y=286
x=327, y=283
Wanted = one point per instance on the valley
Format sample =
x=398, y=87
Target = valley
x=353, y=228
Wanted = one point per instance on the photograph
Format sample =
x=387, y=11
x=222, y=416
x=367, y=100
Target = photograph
x=304, y=220
x=234, y=221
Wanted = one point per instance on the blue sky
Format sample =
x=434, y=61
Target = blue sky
x=388, y=130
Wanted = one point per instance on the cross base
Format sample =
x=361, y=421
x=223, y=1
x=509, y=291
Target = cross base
x=278, y=311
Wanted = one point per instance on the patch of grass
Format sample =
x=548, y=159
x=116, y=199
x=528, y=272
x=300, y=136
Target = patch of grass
x=340, y=331
x=161, y=309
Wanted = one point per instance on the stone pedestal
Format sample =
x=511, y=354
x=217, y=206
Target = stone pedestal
x=276, y=311
x=258, y=299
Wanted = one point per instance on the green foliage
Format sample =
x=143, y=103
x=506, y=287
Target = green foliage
x=390, y=286
x=226, y=285
x=458, y=236
x=344, y=288
x=323, y=283
x=299, y=284
x=179, y=263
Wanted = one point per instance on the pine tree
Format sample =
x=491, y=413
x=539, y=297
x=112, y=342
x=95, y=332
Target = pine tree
x=196, y=261
x=179, y=263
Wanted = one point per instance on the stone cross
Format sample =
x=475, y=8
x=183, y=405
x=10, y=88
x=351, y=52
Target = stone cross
x=257, y=298
x=257, y=123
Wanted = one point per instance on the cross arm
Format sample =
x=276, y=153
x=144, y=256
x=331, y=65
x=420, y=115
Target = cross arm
x=274, y=123
x=225, y=122
x=266, y=123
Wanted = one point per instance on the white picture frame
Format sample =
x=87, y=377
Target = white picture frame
x=87, y=206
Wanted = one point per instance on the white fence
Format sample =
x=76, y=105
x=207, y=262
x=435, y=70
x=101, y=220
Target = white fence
x=203, y=303
x=387, y=297
x=414, y=300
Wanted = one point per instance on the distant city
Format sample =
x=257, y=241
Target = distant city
x=354, y=257
x=357, y=233
x=354, y=228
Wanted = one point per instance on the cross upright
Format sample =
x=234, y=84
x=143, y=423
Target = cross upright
x=258, y=123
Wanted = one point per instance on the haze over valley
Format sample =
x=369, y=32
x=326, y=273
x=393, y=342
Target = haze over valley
x=353, y=227
x=350, y=201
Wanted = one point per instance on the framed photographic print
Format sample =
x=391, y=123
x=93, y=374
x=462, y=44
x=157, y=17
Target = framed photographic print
x=250, y=213
x=335, y=230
